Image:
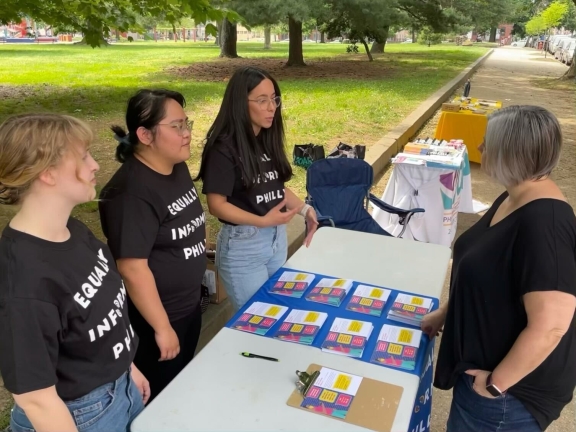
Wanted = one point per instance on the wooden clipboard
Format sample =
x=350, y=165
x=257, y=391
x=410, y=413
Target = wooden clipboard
x=374, y=406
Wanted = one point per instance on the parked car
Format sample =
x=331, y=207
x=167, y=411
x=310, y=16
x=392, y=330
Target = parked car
x=554, y=44
x=568, y=52
x=559, y=48
x=521, y=43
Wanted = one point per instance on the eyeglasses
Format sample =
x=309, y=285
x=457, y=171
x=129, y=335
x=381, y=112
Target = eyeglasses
x=264, y=103
x=180, y=126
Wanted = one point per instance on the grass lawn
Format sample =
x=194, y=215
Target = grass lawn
x=339, y=97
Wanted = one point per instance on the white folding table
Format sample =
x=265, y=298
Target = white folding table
x=222, y=391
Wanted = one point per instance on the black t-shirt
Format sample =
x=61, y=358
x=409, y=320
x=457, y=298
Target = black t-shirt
x=145, y=214
x=223, y=176
x=533, y=249
x=63, y=314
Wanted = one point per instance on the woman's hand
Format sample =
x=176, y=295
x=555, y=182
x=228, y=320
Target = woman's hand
x=168, y=343
x=311, y=225
x=479, y=384
x=276, y=216
x=141, y=383
x=433, y=322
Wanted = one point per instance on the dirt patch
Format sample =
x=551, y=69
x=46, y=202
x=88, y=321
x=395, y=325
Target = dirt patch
x=357, y=67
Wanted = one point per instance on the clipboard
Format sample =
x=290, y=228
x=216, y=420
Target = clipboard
x=373, y=407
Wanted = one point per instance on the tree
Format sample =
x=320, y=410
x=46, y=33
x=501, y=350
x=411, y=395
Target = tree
x=228, y=39
x=553, y=14
x=95, y=18
x=258, y=13
x=535, y=26
x=571, y=72
x=362, y=21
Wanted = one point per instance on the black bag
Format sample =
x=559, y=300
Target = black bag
x=343, y=150
x=304, y=155
x=204, y=298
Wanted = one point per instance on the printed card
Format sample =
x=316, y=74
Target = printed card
x=368, y=300
x=330, y=291
x=348, y=337
x=397, y=347
x=259, y=318
x=409, y=309
x=301, y=326
x=332, y=393
x=292, y=284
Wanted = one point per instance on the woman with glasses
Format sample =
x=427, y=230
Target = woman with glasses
x=244, y=168
x=154, y=223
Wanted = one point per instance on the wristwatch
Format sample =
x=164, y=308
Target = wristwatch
x=491, y=388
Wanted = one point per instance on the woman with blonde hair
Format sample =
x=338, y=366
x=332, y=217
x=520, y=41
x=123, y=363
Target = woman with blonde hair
x=66, y=343
x=509, y=342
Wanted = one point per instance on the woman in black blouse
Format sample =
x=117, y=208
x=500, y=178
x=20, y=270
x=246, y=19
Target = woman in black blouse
x=509, y=343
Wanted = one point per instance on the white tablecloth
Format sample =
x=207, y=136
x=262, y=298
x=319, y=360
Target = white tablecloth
x=442, y=192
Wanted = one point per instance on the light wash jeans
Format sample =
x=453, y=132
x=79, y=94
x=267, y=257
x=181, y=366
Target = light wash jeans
x=108, y=408
x=246, y=257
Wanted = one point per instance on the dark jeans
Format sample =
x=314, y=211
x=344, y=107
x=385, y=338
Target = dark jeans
x=471, y=412
x=160, y=373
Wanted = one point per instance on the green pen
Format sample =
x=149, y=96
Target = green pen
x=250, y=355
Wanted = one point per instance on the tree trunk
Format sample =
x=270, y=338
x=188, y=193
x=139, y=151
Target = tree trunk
x=267, y=31
x=370, y=58
x=295, y=54
x=322, y=37
x=229, y=38
x=413, y=36
x=493, y=35
x=377, y=47
x=571, y=72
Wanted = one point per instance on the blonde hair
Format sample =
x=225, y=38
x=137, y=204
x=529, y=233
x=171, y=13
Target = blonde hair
x=32, y=143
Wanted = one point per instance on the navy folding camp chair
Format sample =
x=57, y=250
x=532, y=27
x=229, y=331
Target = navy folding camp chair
x=339, y=191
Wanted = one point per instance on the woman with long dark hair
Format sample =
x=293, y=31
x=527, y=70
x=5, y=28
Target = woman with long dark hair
x=244, y=169
x=154, y=223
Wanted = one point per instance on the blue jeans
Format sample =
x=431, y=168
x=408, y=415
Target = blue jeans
x=108, y=408
x=246, y=257
x=471, y=412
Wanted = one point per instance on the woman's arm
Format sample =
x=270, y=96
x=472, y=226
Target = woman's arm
x=292, y=201
x=46, y=411
x=219, y=206
x=143, y=292
x=549, y=317
x=550, y=314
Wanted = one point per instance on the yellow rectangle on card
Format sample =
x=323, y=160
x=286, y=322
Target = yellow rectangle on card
x=339, y=283
x=296, y=328
x=328, y=396
x=311, y=317
x=342, y=382
x=355, y=326
x=395, y=349
x=344, y=339
x=273, y=311
x=418, y=301
x=300, y=276
x=376, y=293
x=405, y=336
x=289, y=285
x=255, y=319
x=409, y=308
x=325, y=290
x=366, y=301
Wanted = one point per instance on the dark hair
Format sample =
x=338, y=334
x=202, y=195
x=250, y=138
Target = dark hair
x=145, y=109
x=233, y=122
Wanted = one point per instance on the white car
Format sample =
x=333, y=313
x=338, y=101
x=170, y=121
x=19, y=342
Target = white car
x=568, y=52
x=521, y=43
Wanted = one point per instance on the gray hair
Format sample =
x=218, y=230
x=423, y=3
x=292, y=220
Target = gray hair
x=522, y=142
